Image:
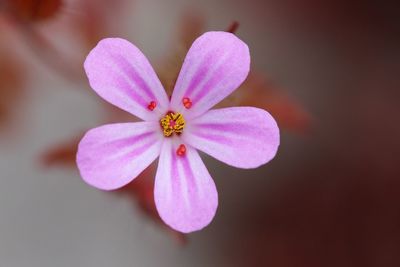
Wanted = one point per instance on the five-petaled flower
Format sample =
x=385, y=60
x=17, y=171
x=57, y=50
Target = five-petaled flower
x=174, y=128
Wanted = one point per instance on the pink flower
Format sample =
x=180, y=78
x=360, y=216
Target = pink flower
x=112, y=155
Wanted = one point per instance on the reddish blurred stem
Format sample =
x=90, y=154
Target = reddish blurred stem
x=233, y=27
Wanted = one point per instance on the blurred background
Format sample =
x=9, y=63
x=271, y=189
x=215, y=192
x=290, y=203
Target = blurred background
x=328, y=71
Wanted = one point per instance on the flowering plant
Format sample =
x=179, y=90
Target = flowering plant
x=174, y=128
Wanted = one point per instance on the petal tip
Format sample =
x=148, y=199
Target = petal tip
x=111, y=156
x=193, y=226
x=87, y=177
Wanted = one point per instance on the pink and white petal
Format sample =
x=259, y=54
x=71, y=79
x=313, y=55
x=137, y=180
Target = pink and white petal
x=112, y=155
x=243, y=137
x=185, y=194
x=120, y=73
x=216, y=65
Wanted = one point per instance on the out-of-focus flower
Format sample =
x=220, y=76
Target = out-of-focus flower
x=88, y=21
x=112, y=155
x=94, y=20
x=32, y=10
x=258, y=92
x=22, y=17
x=191, y=27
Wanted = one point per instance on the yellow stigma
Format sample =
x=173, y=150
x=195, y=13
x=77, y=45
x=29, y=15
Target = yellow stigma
x=172, y=123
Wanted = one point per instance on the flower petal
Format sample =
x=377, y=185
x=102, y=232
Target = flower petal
x=121, y=74
x=216, y=65
x=112, y=155
x=244, y=137
x=184, y=193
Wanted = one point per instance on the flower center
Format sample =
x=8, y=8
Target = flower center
x=172, y=123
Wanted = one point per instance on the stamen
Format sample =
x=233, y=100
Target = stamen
x=181, y=151
x=172, y=123
x=187, y=103
x=152, y=105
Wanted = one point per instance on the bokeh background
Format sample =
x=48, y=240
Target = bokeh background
x=328, y=71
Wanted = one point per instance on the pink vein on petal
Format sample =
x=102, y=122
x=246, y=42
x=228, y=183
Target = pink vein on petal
x=192, y=185
x=133, y=74
x=176, y=185
x=198, y=77
x=217, y=138
x=214, y=80
x=119, y=144
x=126, y=88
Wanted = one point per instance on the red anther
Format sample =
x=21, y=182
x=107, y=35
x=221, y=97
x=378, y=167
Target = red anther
x=152, y=105
x=187, y=103
x=181, y=151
